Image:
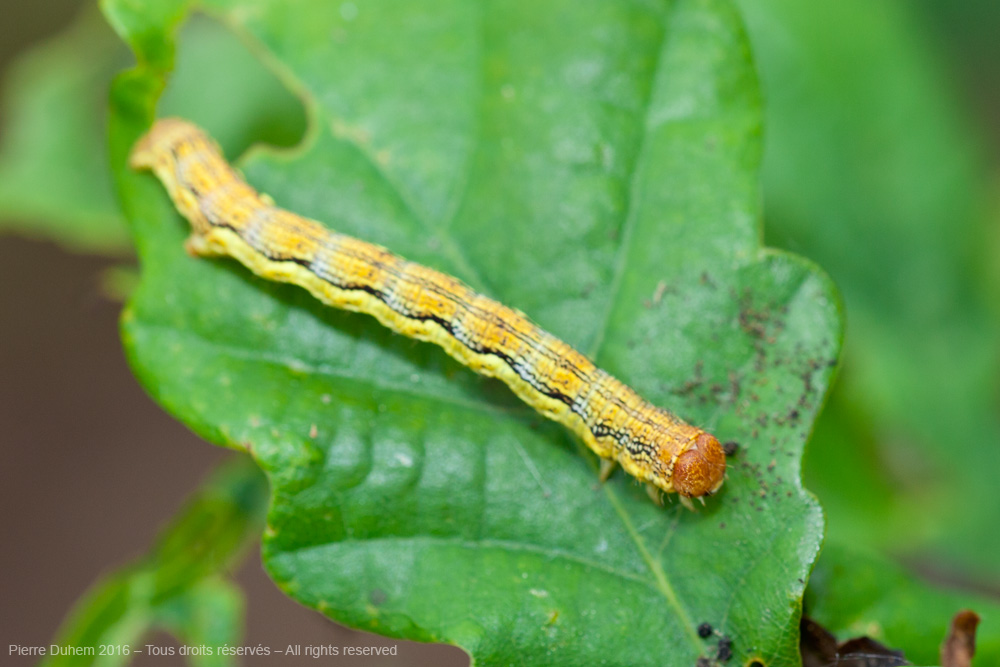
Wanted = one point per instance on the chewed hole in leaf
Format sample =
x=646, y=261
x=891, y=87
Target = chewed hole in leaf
x=216, y=74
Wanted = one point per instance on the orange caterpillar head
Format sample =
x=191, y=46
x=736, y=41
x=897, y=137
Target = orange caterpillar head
x=699, y=471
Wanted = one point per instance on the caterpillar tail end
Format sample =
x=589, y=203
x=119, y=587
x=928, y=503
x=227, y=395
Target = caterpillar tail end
x=165, y=132
x=141, y=155
x=701, y=469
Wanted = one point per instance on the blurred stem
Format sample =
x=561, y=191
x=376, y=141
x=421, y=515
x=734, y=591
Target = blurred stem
x=207, y=537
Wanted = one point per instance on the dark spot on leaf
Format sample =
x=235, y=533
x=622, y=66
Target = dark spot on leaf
x=725, y=649
x=377, y=597
x=731, y=448
x=705, y=629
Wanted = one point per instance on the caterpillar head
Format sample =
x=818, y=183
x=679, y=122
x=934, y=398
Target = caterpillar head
x=700, y=469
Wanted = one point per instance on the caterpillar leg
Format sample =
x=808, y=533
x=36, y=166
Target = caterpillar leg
x=199, y=245
x=654, y=493
x=607, y=467
x=687, y=502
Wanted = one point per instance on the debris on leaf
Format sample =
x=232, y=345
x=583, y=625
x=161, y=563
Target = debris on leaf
x=725, y=649
x=819, y=648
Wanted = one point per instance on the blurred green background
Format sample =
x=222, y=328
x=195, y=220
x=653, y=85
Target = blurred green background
x=881, y=164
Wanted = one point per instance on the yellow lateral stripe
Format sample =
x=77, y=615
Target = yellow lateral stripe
x=228, y=217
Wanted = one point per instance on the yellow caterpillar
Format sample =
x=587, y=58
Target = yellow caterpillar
x=228, y=217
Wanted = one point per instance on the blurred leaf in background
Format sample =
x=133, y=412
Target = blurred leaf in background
x=181, y=586
x=54, y=177
x=872, y=169
x=965, y=36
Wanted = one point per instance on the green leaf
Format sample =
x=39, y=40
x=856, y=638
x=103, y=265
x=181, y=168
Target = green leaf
x=590, y=163
x=176, y=586
x=873, y=170
x=54, y=180
x=205, y=618
x=853, y=592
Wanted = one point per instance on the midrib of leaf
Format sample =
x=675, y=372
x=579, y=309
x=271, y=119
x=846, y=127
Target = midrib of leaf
x=461, y=190
x=663, y=585
x=621, y=263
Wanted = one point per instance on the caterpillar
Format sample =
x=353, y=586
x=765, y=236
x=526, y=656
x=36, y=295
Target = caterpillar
x=229, y=218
